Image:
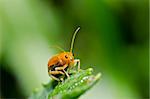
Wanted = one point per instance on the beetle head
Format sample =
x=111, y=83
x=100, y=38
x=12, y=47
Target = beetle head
x=67, y=57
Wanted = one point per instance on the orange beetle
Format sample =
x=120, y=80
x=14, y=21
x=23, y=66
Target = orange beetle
x=58, y=64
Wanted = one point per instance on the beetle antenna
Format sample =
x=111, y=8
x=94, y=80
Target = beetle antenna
x=58, y=47
x=73, y=38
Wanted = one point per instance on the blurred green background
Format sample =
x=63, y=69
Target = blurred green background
x=114, y=40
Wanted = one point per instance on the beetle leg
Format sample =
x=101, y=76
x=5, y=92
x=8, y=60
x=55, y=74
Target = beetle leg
x=55, y=72
x=51, y=73
x=62, y=68
x=66, y=73
x=53, y=77
x=77, y=61
x=61, y=79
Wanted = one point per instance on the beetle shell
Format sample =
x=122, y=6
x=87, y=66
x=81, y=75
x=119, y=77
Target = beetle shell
x=61, y=59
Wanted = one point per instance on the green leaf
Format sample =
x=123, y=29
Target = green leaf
x=71, y=88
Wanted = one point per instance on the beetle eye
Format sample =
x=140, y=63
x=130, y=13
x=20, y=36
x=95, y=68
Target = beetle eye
x=66, y=56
